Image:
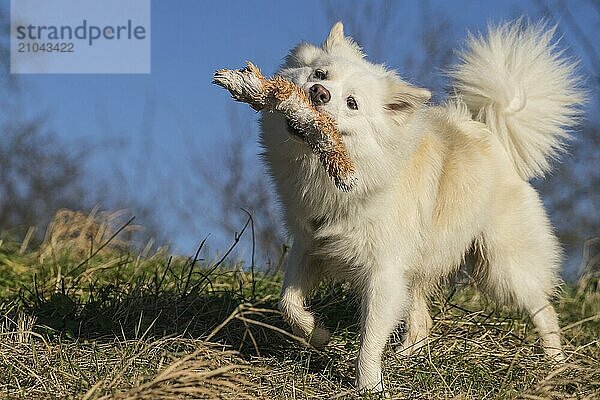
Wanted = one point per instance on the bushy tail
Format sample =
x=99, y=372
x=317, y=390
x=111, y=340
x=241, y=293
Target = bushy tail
x=515, y=81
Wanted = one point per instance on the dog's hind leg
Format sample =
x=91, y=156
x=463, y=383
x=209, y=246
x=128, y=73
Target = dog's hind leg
x=520, y=258
x=418, y=325
x=301, y=277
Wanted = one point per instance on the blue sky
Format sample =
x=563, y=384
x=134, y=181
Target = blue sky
x=190, y=39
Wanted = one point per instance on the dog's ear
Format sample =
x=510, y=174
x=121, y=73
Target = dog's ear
x=405, y=98
x=336, y=42
x=335, y=37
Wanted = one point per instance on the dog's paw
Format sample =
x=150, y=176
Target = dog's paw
x=375, y=388
x=556, y=355
x=319, y=337
x=411, y=347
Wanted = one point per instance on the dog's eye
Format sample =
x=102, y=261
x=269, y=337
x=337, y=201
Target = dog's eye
x=320, y=74
x=351, y=103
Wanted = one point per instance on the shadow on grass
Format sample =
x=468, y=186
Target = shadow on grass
x=189, y=304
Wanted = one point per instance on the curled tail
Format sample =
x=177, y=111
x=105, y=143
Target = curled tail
x=516, y=82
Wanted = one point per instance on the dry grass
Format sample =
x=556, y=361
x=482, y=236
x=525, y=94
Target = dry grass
x=166, y=368
x=79, y=235
x=132, y=326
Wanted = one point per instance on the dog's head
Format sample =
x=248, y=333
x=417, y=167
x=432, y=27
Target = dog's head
x=369, y=103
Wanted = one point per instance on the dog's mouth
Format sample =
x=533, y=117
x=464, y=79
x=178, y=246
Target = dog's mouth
x=299, y=135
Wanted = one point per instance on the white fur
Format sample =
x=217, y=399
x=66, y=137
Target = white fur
x=515, y=81
x=432, y=184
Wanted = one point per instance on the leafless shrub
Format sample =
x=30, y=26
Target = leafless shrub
x=38, y=175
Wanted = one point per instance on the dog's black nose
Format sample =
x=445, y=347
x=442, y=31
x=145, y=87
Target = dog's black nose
x=319, y=95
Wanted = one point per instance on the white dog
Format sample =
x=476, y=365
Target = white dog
x=434, y=182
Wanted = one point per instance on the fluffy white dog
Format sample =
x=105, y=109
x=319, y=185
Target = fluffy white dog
x=434, y=182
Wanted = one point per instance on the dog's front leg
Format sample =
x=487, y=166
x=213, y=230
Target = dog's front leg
x=383, y=305
x=301, y=276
